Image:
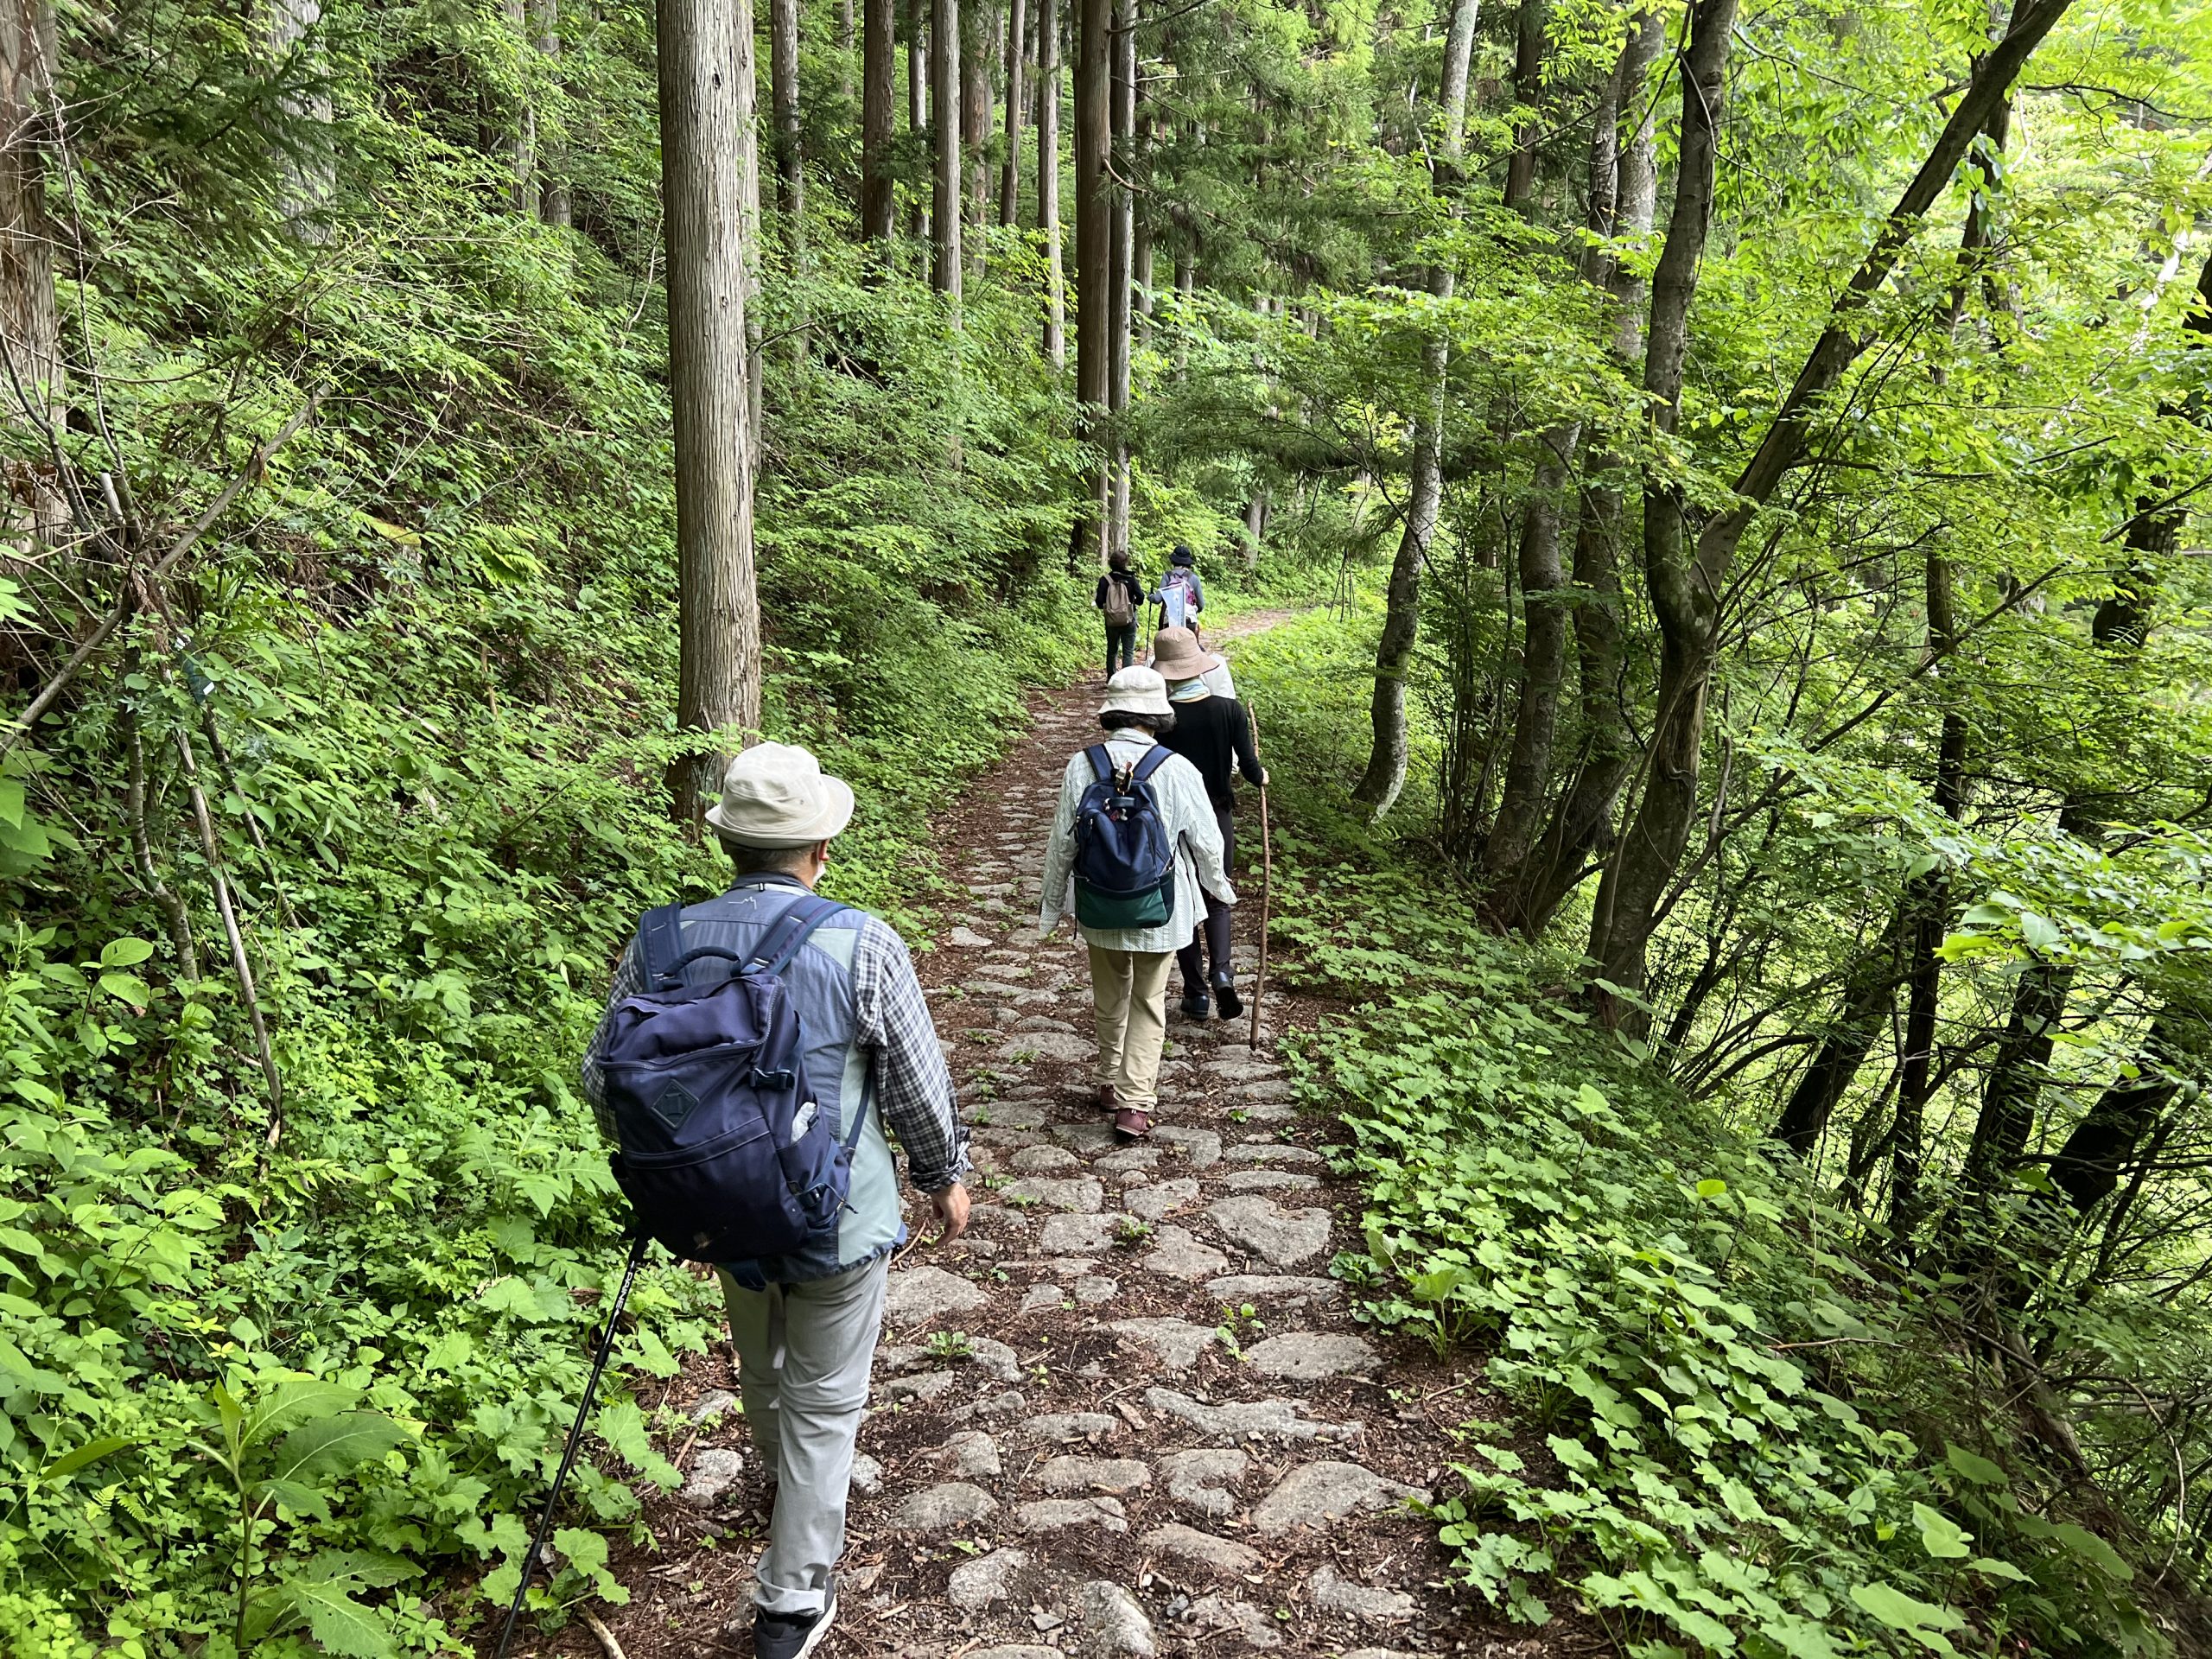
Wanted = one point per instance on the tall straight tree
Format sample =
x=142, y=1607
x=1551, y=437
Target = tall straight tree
x=945, y=120
x=877, y=90
x=555, y=205
x=1686, y=574
x=977, y=19
x=1048, y=179
x=704, y=106
x=1121, y=268
x=522, y=135
x=1094, y=235
x=1387, y=759
x=29, y=328
x=783, y=97
x=309, y=170
x=1016, y=62
x=918, y=102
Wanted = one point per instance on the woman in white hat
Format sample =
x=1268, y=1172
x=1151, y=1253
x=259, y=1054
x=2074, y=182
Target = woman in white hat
x=1129, y=964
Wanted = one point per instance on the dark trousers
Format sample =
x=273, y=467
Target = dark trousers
x=1122, y=641
x=1210, y=941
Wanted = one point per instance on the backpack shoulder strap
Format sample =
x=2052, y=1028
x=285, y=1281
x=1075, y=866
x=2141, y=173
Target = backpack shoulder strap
x=1101, y=763
x=791, y=931
x=1154, y=758
x=660, y=941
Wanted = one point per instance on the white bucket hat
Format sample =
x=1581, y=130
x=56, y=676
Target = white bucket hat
x=1135, y=690
x=777, y=795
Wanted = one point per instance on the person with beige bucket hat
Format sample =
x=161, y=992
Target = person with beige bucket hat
x=804, y=1326
x=1129, y=962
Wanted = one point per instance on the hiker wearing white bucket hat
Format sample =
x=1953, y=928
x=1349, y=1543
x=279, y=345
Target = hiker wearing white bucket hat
x=804, y=1325
x=1134, y=846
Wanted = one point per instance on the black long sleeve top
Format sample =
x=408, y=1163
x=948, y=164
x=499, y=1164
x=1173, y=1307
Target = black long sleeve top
x=1215, y=735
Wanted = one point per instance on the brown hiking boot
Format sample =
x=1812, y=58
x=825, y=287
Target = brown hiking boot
x=1131, y=1125
x=1107, y=1100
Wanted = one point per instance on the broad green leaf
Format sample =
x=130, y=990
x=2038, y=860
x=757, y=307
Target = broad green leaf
x=2085, y=1545
x=1940, y=1536
x=125, y=952
x=1923, y=1620
x=330, y=1446
x=1973, y=1466
x=91, y=1452
x=338, y=1624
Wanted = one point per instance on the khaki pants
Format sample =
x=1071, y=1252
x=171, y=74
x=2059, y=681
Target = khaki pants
x=803, y=1353
x=1129, y=988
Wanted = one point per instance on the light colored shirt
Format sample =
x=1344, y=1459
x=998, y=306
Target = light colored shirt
x=1188, y=818
x=1215, y=682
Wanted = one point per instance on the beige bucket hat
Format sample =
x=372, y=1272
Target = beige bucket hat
x=1176, y=656
x=777, y=795
x=1135, y=690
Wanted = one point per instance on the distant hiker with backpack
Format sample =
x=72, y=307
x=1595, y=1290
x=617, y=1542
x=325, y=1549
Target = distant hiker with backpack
x=1213, y=732
x=754, y=1050
x=1134, y=848
x=1120, y=597
x=1182, y=596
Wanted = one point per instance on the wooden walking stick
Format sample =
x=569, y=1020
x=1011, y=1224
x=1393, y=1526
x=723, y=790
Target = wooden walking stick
x=1267, y=889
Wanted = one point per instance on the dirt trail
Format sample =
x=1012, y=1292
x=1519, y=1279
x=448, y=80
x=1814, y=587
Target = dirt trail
x=1129, y=1414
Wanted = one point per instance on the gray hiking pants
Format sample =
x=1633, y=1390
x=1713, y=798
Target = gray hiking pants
x=803, y=1353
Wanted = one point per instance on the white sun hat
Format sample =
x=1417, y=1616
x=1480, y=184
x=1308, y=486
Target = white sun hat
x=777, y=795
x=1135, y=690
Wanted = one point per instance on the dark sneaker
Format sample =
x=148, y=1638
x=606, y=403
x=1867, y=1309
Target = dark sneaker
x=1107, y=1100
x=1195, y=1007
x=1225, y=998
x=791, y=1636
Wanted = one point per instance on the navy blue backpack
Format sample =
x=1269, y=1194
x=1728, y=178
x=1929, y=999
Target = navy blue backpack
x=725, y=1154
x=1124, y=860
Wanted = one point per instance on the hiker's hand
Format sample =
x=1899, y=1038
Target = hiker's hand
x=951, y=1207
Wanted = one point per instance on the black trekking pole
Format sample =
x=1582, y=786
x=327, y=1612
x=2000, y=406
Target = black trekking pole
x=576, y=1438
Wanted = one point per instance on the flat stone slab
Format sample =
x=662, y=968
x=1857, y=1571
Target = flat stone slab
x=1124, y=1160
x=1059, y=1047
x=1235, y=1063
x=973, y=1454
x=1040, y=1160
x=1094, y=1290
x=1042, y=1298
x=1307, y=1356
x=1276, y=1290
x=946, y=1507
x=1177, y=1342
x=1113, y=1623
x=1061, y=1427
x=1335, y=1593
x=1178, y=1254
x=1198, y=1477
x=1012, y=1114
x=714, y=1472
x=1250, y=1420
x=1270, y=1090
x=1272, y=1152
x=1318, y=1495
x=1184, y=1544
x=1100, y=1514
x=977, y=1584
x=713, y=1403
x=1160, y=1199
x=1069, y=1476
x=928, y=1292
x=867, y=1475
x=1086, y=1137
x=1083, y=1196
x=1202, y=1146
x=1076, y=1234
x=1270, y=1180
x=1280, y=1238
x=1042, y=1022
x=1254, y=1628
x=984, y=1354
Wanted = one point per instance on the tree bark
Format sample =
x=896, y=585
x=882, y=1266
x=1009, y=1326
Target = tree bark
x=522, y=137
x=1384, y=779
x=944, y=116
x=309, y=170
x=1048, y=180
x=36, y=382
x=555, y=205
x=1543, y=655
x=1528, y=89
x=783, y=92
x=1017, y=24
x=877, y=92
x=975, y=55
x=1527, y=897
x=703, y=49
x=1094, y=241
x=1120, y=271
x=845, y=50
x=917, y=116
x=1869, y=992
x=2087, y=1167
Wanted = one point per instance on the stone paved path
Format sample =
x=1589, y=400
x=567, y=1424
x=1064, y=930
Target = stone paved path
x=1131, y=1413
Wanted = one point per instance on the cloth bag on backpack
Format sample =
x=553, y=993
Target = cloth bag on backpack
x=1175, y=595
x=725, y=1153
x=1124, y=859
x=1120, y=610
